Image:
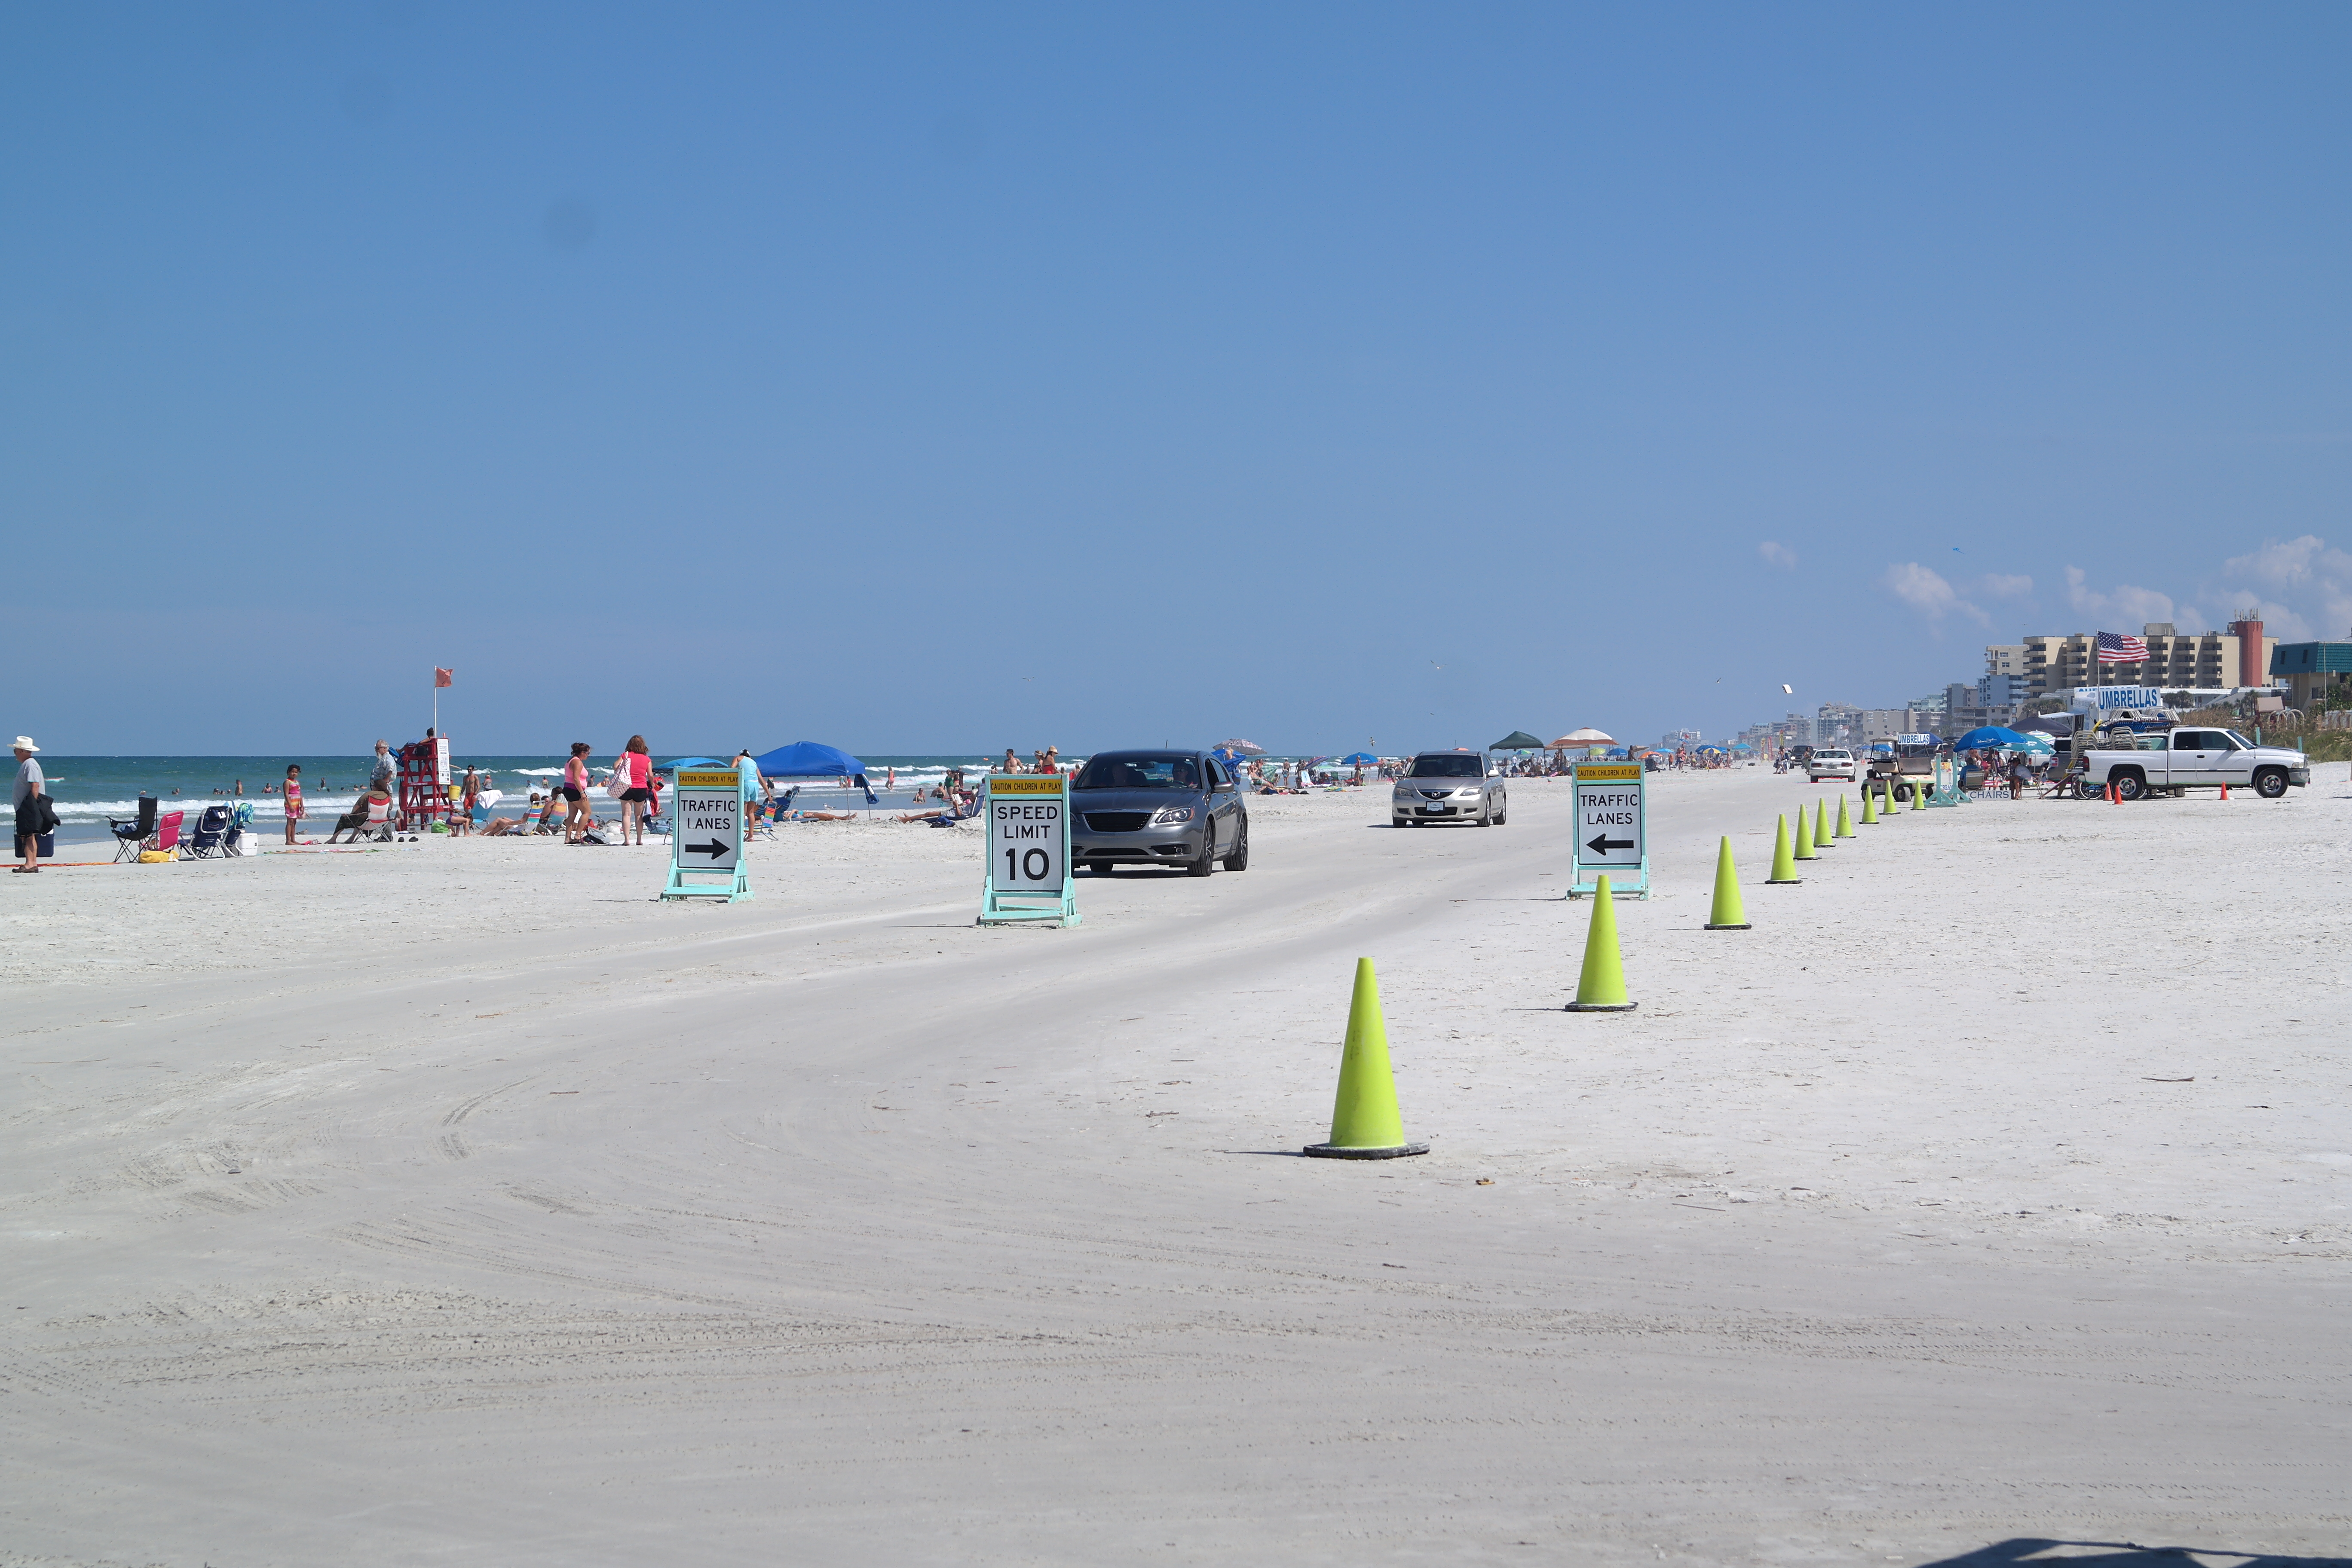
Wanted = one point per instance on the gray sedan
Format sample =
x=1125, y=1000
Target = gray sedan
x=1449, y=786
x=1162, y=809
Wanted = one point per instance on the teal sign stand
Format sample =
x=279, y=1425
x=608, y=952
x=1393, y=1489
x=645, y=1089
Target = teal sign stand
x=1613, y=835
x=1028, y=851
x=1946, y=784
x=706, y=836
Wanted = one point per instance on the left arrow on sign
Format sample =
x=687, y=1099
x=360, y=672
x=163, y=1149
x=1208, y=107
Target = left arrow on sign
x=714, y=849
x=1602, y=845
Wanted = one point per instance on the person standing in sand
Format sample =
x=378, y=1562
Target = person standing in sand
x=631, y=772
x=383, y=769
x=293, y=802
x=1012, y=762
x=575, y=792
x=29, y=806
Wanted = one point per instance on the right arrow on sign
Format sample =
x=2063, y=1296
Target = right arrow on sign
x=714, y=849
x=1602, y=845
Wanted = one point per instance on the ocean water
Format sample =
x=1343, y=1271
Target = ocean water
x=89, y=790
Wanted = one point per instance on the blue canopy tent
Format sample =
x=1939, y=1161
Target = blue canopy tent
x=1359, y=760
x=808, y=759
x=671, y=767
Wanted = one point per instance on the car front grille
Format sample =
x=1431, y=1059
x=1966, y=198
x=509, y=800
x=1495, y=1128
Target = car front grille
x=1435, y=794
x=1118, y=821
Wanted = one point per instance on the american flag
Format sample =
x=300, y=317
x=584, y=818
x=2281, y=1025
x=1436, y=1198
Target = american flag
x=2114, y=649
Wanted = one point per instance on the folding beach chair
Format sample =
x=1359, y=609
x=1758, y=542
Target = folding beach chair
x=205, y=844
x=378, y=829
x=167, y=833
x=130, y=838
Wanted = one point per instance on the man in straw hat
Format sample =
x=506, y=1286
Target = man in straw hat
x=31, y=820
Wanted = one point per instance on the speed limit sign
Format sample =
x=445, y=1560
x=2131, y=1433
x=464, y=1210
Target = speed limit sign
x=1028, y=851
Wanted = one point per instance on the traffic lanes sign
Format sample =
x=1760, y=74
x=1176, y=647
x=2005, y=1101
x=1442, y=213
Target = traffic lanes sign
x=707, y=834
x=707, y=820
x=1611, y=827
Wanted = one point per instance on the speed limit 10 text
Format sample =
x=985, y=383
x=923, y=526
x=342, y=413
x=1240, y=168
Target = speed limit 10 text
x=1019, y=821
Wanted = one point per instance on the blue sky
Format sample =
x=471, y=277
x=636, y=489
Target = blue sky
x=941, y=378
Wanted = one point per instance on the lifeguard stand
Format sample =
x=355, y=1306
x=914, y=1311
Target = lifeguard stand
x=424, y=783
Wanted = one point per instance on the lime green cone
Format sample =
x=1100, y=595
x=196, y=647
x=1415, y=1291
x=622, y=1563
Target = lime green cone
x=1845, y=823
x=1784, y=864
x=1601, y=987
x=1919, y=798
x=1869, y=812
x=1822, y=825
x=1730, y=914
x=1805, y=838
x=1364, y=1121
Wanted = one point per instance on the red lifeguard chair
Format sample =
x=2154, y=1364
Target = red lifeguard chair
x=424, y=783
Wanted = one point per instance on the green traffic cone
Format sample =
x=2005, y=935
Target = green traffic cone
x=1869, y=812
x=1822, y=825
x=1784, y=864
x=1601, y=988
x=1845, y=822
x=1918, y=797
x=1728, y=914
x=1805, y=838
x=1364, y=1121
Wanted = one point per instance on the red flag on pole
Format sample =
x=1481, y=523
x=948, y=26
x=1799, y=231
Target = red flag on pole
x=441, y=677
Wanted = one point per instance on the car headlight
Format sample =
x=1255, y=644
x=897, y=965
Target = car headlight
x=1167, y=815
x=1465, y=791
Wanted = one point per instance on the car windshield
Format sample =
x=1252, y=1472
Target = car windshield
x=1454, y=767
x=2244, y=744
x=1140, y=772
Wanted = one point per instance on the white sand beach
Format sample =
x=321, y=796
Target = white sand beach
x=459, y=1203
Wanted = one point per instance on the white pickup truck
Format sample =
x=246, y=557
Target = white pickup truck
x=2168, y=762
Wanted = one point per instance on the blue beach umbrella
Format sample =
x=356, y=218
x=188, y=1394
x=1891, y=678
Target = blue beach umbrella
x=1359, y=760
x=1991, y=738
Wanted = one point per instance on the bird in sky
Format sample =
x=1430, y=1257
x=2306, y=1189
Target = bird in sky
x=1789, y=689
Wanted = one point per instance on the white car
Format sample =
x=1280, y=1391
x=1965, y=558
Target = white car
x=1832, y=764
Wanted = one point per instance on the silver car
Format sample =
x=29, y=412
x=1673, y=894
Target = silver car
x=1449, y=786
x=1161, y=808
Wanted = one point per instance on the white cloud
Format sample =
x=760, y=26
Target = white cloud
x=1778, y=554
x=2003, y=587
x=1926, y=592
x=2129, y=607
x=2297, y=563
x=2309, y=587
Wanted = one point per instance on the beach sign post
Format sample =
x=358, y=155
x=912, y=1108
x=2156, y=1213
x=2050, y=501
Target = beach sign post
x=1612, y=841
x=706, y=836
x=1028, y=851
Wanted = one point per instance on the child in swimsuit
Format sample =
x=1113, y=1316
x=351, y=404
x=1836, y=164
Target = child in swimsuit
x=293, y=798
